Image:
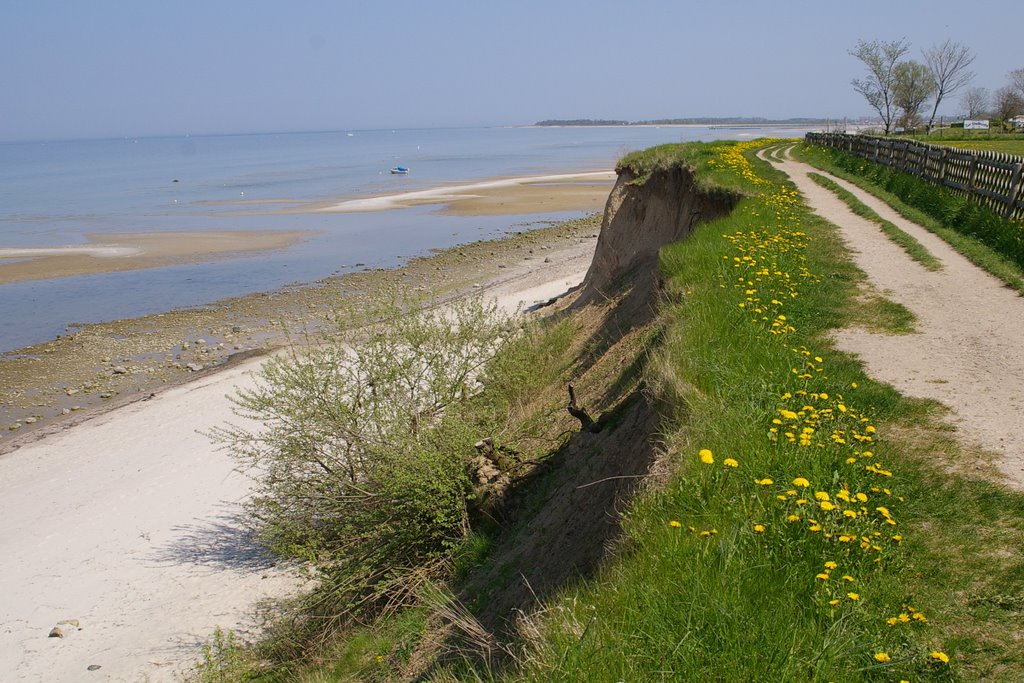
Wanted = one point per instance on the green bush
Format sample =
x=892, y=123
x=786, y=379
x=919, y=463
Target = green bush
x=358, y=446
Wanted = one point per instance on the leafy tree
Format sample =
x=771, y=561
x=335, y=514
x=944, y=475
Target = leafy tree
x=948, y=65
x=880, y=58
x=912, y=85
x=975, y=102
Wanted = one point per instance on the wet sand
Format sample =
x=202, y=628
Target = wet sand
x=114, y=252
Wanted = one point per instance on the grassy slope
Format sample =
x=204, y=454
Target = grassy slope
x=726, y=576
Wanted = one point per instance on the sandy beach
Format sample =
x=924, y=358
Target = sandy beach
x=121, y=519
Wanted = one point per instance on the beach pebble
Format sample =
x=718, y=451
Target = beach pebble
x=547, y=259
x=15, y=427
x=194, y=367
x=200, y=342
x=119, y=370
x=65, y=411
x=235, y=329
x=31, y=420
x=96, y=667
x=107, y=394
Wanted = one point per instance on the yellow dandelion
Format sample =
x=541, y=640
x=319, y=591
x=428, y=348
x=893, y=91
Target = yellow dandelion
x=729, y=462
x=853, y=596
x=759, y=528
x=764, y=482
x=830, y=565
x=706, y=457
x=823, y=576
x=674, y=524
x=801, y=482
x=881, y=657
x=941, y=656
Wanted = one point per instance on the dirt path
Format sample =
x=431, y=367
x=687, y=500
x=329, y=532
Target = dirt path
x=128, y=524
x=969, y=349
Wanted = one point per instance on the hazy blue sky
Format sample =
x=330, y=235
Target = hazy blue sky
x=102, y=68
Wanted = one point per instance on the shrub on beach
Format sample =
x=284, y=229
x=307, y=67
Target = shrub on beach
x=360, y=447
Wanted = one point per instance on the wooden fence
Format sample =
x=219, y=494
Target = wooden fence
x=993, y=179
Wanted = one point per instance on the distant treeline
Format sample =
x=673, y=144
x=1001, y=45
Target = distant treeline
x=729, y=120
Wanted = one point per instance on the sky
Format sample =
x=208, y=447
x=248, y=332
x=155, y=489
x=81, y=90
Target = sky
x=78, y=69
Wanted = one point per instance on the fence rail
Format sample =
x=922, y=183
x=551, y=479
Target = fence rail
x=995, y=180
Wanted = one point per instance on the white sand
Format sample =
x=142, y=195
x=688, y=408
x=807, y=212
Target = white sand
x=452, y=193
x=70, y=250
x=127, y=523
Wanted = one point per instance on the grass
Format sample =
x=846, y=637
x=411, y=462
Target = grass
x=991, y=245
x=717, y=580
x=908, y=243
x=1009, y=143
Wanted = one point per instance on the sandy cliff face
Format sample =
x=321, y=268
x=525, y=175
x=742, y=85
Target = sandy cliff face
x=640, y=219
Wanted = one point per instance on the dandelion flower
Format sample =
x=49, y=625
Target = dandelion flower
x=674, y=524
x=823, y=576
x=800, y=481
x=853, y=596
x=730, y=462
x=882, y=657
x=830, y=565
x=706, y=457
x=764, y=482
x=759, y=528
x=941, y=656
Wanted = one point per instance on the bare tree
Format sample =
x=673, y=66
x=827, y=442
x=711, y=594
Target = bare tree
x=1007, y=103
x=949, y=66
x=912, y=85
x=975, y=102
x=880, y=58
x=1017, y=80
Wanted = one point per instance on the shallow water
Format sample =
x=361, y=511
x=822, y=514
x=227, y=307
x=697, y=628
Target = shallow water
x=56, y=193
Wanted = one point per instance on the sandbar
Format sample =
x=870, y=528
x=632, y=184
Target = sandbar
x=112, y=252
x=504, y=196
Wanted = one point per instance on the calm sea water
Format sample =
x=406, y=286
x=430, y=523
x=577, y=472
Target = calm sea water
x=56, y=193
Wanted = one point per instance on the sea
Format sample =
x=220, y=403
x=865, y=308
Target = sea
x=55, y=193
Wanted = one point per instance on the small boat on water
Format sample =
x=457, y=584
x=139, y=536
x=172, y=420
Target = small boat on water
x=400, y=170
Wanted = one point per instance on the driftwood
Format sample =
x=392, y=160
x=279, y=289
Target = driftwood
x=587, y=423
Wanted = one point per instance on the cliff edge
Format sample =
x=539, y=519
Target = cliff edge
x=644, y=213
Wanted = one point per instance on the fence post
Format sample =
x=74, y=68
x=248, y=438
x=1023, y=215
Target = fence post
x=1014, y=191
x=942, y=166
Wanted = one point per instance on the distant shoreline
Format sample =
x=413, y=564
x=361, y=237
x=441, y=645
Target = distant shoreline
x=679, y=123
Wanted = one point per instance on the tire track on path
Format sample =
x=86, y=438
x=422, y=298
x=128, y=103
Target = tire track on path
x=969, y=350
